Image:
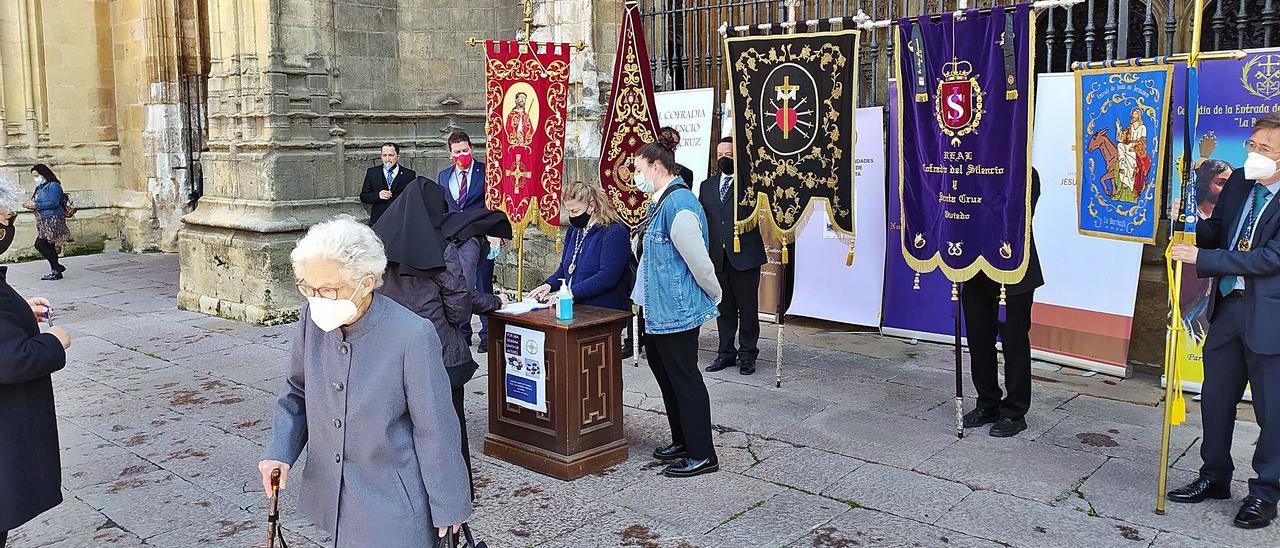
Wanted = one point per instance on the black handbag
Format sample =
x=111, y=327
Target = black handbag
x=461, y=539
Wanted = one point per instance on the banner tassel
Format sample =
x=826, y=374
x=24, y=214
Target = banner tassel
x=916, y=284
x=1002, y=316
x=955, y=292
x=848, y=260
x=1011, y=95
x=922, y=97
x=737, y=244
x=786, y=256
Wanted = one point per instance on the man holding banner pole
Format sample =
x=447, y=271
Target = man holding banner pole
x=1239, y=247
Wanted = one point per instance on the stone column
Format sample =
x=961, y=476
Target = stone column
x=271, y=169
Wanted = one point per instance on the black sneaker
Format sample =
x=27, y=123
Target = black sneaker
x=55, y=275
x=1007, y=427
x=979, y=417
x=483, y=347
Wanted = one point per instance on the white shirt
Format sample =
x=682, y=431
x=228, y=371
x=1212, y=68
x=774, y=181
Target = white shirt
x=395, y=172
x=1244, y=215
x=455, y=182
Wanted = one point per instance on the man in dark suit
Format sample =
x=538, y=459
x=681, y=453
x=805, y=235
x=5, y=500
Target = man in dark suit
x=382, y=184
x=980, y=299
x=1239, y=247
x=463, y=183
x=738, y=272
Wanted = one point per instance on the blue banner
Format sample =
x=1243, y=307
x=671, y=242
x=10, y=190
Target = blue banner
x=1120, y=119
x=965, y=98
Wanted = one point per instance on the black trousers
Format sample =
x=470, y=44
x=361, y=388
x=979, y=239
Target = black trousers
x=674, y=360
x=1229, y=365
x=981, y=302
x=460, y=392
x=49, y=252
x=739, y=313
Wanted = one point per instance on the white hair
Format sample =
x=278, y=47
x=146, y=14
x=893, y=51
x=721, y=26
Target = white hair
x=343, y=240
x=10, y=195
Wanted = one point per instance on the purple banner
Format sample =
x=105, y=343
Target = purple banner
x=965, y=178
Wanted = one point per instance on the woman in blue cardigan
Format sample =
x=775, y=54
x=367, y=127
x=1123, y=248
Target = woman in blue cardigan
x=596, y=251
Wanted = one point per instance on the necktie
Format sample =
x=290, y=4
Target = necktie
x=725, y=184
x=1244, y=241
x=462, y=186
x=390, y=178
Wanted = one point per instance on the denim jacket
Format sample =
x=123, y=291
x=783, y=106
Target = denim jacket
x=673, y=300
x=48, y=198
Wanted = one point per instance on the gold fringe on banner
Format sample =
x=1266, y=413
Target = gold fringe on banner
x=1011, y=95
x=922, y=97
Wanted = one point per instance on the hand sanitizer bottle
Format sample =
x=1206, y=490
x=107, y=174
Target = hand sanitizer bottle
x=564, y=305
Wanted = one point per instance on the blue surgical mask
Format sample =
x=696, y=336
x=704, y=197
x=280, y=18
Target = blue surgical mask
x=493, y=252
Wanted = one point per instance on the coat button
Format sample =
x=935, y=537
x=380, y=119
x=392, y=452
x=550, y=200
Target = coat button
x=337, y=423
x=337, y=458
x=344, y=350
x=339, y=386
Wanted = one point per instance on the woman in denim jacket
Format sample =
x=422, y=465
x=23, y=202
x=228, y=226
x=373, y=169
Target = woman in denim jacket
x=50, y=204
x=677, y=288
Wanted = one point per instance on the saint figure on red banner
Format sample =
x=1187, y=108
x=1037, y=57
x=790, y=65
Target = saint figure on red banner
x=519, y=127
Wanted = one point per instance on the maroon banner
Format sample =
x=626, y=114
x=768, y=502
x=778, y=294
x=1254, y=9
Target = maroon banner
x=631, y=120
x=526, y=94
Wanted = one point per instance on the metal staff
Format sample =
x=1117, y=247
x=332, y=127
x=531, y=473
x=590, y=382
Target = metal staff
x=1171, y=376
x=955, y=296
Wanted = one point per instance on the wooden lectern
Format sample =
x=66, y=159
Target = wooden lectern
x=581, y=432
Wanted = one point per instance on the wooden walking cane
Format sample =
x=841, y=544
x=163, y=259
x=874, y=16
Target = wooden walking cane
x=273, y=513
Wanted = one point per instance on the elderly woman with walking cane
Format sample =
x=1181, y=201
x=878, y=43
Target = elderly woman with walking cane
x=368, y=397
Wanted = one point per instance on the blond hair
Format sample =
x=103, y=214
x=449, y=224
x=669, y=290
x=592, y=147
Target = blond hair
x=591, y=193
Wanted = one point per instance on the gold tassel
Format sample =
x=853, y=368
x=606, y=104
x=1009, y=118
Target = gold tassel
x=955, y=291
x=785, y=255
x=1002, y=295
x=848, y=260
x=737, y=245
x=1011, y=95
x=922, y=97
x=559, y=243
x=916, y=284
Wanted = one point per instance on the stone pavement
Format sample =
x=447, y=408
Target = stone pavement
x=163, y=414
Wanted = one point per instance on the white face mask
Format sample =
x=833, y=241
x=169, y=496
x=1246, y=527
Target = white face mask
x=330, y=314
x=388, y=165
x=1257, y=167
x=39, y=179
x=644, y=184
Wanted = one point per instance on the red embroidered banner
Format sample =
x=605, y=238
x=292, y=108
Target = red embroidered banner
x=526, y=95
x=631, y=120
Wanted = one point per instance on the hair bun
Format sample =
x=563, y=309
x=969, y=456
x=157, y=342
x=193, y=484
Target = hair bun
x=667, y=142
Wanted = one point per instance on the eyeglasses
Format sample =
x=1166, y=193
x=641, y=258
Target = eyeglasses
x=1254, y=146
x=330, y=293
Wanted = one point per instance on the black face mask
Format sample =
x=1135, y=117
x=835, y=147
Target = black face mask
x=580, y=221
x=6, y=236
x=726, y=166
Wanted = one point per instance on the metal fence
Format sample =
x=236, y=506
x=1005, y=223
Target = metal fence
x=686, y=48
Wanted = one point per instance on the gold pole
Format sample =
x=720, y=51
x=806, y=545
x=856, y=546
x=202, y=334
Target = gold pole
x=520, y=269
x=1165, y=60
x=1175, y=291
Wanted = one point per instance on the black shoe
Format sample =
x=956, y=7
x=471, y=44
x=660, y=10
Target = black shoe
x=1199, y=490
x=1007, y=427
x=670, y=452
x=483, y=347
x=720, y=363
x=628, y=349
x=747, y=368
x=61, y=268
x=55, y=275
x=689, y=468
x=979, y=417
x=1255, y=513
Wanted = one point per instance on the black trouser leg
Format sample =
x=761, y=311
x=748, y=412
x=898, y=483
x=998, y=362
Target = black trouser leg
x=727, y=322
x=50, y=253
x=1264, y=383
x=1225, y=376
x=665, y=385
x=745, y=286
x=460, y=392
x=1015, y=337
x=980, y=306
x=676, y=354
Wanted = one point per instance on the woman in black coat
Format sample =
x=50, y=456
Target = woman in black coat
x=30, y=470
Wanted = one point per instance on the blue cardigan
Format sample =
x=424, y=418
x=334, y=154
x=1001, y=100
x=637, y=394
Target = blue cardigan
x=598, y=279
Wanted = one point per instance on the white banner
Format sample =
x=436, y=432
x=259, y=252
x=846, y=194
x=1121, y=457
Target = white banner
x=526, y=382
x=825, y=288
x=1083, y=315
x=691, y=112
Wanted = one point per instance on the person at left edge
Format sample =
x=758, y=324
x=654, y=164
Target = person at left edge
x=463, y=183
x=1239, y=249
x=383, y=183
x=367, y=396
x=30, y=471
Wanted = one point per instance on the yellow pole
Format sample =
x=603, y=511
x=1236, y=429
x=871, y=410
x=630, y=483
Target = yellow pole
x=520, y=268
x=1175, y=290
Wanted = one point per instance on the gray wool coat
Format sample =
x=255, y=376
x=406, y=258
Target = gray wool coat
x=373, y=409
